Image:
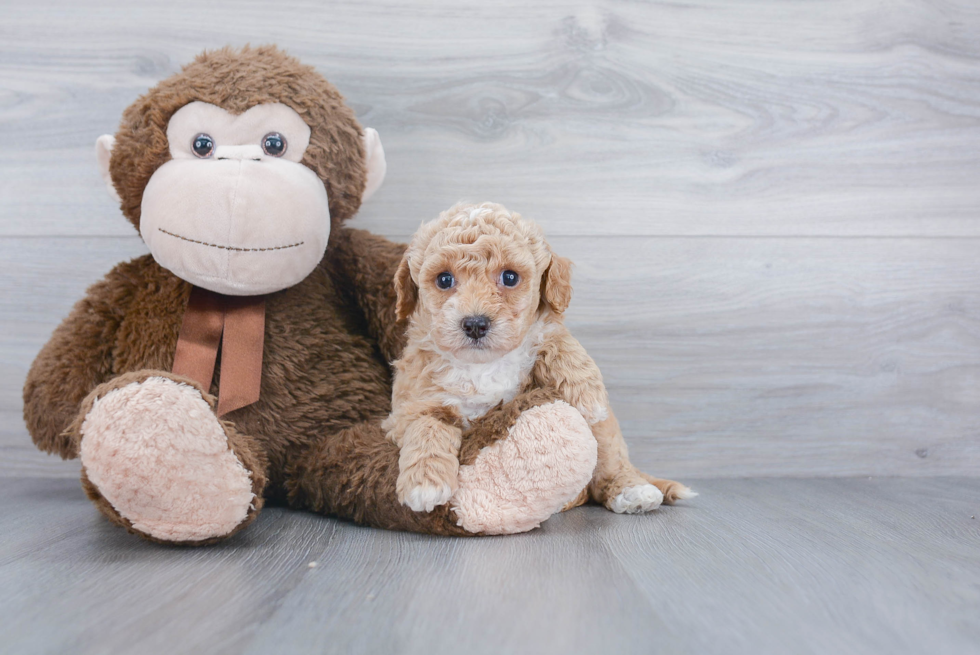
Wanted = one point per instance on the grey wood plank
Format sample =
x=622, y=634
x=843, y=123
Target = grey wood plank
x=750, y=566
x=75, y=583
x=724, y=357
x=693, y=117
x=814, y=567
x=19, y=459
x=786, y=357
x=531, y=594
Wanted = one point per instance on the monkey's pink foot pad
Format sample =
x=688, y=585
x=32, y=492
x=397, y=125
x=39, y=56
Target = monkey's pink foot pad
x=156, y=451
x=545, y=461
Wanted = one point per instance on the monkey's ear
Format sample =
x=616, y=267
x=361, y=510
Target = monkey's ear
x=374, y=162
x=556, y=284
x=103, y=153
x=405, y=290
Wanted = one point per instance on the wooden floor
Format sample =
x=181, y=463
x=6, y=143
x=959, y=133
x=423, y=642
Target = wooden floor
x=801, y=566
x=774, y=210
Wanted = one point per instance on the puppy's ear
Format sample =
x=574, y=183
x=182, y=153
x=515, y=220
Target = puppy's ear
x=556, y=284
x=406, y=291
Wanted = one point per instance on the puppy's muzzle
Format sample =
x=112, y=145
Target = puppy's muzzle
x=475, y=327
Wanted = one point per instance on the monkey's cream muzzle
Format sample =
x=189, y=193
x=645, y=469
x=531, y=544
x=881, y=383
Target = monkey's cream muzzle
x=237, y=224
x=238, y=221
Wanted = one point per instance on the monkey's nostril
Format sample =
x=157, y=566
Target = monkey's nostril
x=476, y=327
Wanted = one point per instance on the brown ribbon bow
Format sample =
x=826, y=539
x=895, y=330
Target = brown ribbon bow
x=237, y=324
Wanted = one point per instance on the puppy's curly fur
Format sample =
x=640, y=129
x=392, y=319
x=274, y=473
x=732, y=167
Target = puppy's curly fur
x=485, y=295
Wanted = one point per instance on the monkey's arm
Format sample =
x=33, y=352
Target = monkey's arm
x=564, y=365
x=76, y=359
x=365, y=264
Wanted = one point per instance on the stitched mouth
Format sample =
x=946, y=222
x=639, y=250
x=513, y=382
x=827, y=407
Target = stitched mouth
x=233, y=248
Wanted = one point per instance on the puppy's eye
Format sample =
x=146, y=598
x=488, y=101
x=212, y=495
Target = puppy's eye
x=509, y=278
x=203, y=146
x=274, y=144
x=445, y=280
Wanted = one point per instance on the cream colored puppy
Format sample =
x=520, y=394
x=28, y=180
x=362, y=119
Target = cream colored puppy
x=486, y=295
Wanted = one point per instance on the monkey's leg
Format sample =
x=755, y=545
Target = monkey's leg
x=157, y=461
x=620, y=486
x=518, y=465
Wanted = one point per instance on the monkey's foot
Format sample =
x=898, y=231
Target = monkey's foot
x=516, y=483
x=157, y=460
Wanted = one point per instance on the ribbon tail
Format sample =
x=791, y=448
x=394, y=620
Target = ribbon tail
x=241, y=353
x=200, y=334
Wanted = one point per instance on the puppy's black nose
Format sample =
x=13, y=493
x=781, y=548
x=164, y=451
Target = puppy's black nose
x=476, y=327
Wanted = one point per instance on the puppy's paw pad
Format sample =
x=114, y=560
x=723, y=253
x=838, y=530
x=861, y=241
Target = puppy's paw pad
x=636, y=500
x=426, y=497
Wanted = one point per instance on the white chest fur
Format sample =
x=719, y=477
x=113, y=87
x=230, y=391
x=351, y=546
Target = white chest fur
x=475, y=389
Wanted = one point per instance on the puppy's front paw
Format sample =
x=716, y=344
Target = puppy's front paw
x=593, y=414
x=590, y=399
x=636, y=500
x=425, y=497
x=426, y=484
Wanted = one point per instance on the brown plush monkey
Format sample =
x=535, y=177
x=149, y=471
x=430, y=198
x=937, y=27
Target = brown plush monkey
x=258, y=306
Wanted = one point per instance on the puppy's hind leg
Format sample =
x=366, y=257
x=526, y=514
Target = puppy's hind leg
x=620, y=486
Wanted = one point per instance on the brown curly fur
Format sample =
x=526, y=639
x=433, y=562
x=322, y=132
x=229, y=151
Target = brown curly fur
x=314, y=437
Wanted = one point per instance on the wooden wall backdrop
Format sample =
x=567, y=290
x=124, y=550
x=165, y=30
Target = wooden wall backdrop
x=774, y=206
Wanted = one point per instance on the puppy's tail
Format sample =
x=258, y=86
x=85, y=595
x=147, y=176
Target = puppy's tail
x=672, y=491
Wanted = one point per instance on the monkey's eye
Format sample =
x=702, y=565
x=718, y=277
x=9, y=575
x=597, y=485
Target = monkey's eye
x=445, y=280
x=203, y=146
x=274, y=144
x=509, y=278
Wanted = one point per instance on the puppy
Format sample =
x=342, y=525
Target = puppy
x=485, y=295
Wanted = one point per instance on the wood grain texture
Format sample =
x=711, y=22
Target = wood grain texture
x=750, y=566
x=850, y=117
x=772, y=205
x=723, y=357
